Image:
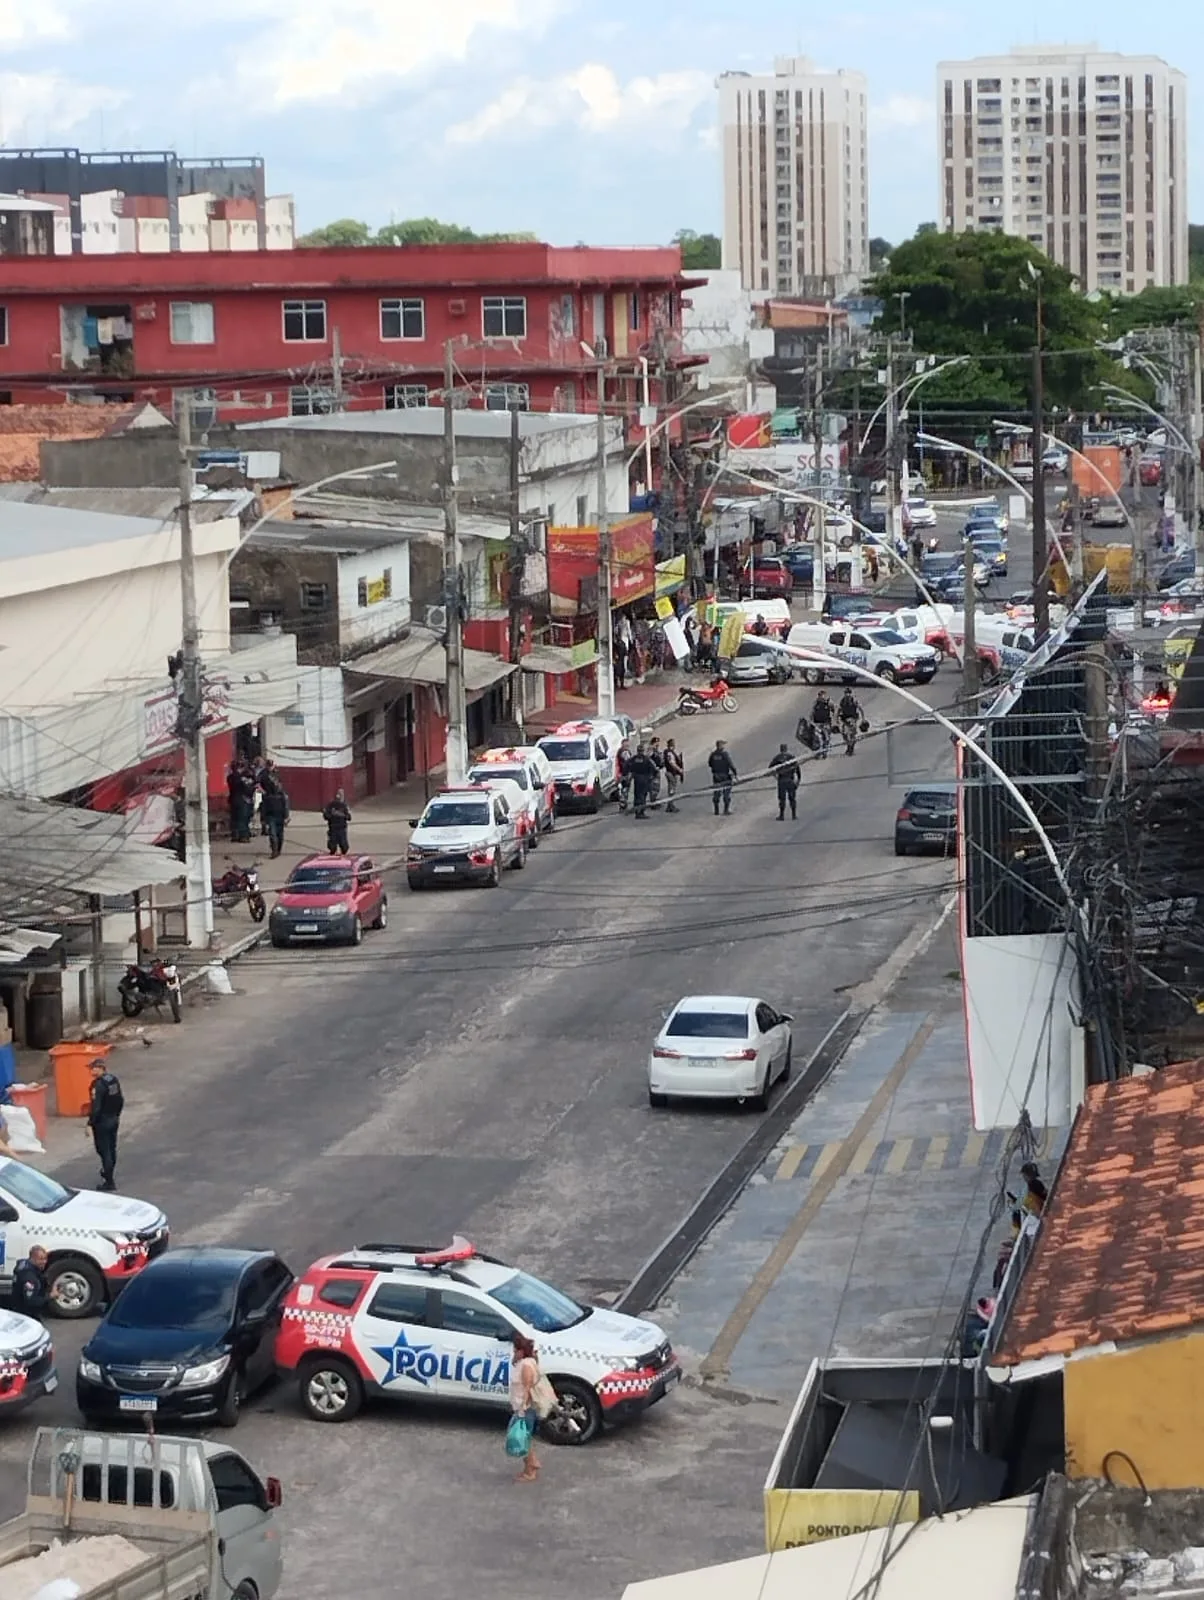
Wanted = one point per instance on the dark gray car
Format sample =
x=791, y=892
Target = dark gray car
x=927, y=820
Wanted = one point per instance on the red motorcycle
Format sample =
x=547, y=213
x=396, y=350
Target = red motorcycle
x=240, y=883
x=691, y=701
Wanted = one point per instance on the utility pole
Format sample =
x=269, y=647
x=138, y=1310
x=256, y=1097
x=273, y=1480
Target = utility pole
x=198, y=871
x=891, y=426
x=606, y=664
x=969, y=639
x=517, y=562
x=1040, y=539
x=336, y=370
x=1194, y=435
x=819, y=552
x=457, y=721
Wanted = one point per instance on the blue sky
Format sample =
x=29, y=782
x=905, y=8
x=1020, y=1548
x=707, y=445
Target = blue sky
x=555, y=116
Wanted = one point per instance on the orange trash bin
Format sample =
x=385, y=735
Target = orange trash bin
x=72, y=1075
x=33, y=1097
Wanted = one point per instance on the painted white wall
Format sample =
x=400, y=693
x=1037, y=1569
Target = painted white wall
x=1017, y=993
x=358, y=624
x=316, y=732
x=280, y=219
x=100, y=223
x=561, y=489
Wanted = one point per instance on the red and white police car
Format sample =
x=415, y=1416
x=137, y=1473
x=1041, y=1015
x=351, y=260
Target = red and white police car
x=528, y=768
x=437, y=1325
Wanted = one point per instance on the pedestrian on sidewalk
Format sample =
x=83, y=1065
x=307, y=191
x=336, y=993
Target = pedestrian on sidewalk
x=785, y=769
x=526, y=1386
x=618, y=656
x=675, y=771
x=723, y=775
x=31, y=1291
x=274, y=809
x=105, y=1105
x=337, y=814
x=643, y=776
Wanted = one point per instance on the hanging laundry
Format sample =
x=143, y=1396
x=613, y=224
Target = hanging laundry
x=104, y=330
x=90, y=335
x=123, y=328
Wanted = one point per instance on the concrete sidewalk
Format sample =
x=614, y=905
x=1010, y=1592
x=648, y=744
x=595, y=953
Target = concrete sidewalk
x=647, y=704
x=859, y=1233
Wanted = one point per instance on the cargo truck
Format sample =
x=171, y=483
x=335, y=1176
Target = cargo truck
x=141, y=1517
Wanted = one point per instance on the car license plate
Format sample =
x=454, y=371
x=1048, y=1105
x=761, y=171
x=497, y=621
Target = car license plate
x=137, y=1402
x=306, y=927
x=52, y=1383
x=443, y=869
x=934, y=838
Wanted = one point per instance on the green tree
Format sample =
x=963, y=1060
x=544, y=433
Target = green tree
x=975, y=294
x=346, y=231
x=700, y=252
x=1195, y=250
x=880, y=250
x=429, y=230
x=1153, y=308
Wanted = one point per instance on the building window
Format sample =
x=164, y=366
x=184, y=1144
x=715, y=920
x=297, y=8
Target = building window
x=370, y=592
x=635, y=310
x=405, y=396
x=582, y=511
x=504, y=316
x=310, y=400
x=568, y=316
x=315, y=596
x=192, y=322
x=568, y=396
x=507, y=397
x=304, y=321
x=402, y=319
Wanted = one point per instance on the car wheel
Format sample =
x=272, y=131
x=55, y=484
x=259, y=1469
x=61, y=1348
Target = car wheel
x=595, y=799
x=786, y=1070
x=76, y=1287
x=245, y=1591
x=230, y=1404
x=578, y=1418
x=414, y=883
x=520, y=857
x=813, y=675
x=357, y=932
x=495, y=871
x=760, y=1102
x=657, y=1100
x=550, y=820
x=887, y=673
x=382, y=916
x=330, y=1390
x=901, y=849
x=279, y=942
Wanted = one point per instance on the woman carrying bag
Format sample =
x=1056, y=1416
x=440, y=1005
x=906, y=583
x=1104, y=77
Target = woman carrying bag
x=532, y=1399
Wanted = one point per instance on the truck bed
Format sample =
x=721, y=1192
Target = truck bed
x=174, y=1563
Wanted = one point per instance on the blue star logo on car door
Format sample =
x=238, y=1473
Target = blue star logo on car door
x=417, y=1362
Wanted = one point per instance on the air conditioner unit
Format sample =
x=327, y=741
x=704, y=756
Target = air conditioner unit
x=436, y=618
x=456, y=308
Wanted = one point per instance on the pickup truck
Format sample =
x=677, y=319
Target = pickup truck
x=141, y=1517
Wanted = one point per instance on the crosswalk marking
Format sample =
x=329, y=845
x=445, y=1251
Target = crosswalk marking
x=897, y=1160
x=791, y=1162
x=892, y=1158
x=826, y=1157
x=865, y=1154
x=934, y=1157
x=975, y=1145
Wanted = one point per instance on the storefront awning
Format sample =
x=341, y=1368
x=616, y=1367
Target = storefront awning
x=422, y=658
x=670, y=575
x=551, y=658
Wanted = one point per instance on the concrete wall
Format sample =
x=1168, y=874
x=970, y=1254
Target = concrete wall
x=1148, y=1402
x=311, y=743
x=271, y=580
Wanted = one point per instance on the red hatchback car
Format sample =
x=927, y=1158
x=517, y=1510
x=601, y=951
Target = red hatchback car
x=770, y=578
x=329, y=900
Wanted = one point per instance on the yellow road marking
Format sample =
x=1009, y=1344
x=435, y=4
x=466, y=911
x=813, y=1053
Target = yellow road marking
x=934, y=1158
x=897, y=1160
x=976, y=1143
x=826, y=1157
x=791, y=1162
x=865, y=1154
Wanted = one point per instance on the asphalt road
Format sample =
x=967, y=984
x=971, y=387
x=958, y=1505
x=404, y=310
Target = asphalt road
x=480, y=1067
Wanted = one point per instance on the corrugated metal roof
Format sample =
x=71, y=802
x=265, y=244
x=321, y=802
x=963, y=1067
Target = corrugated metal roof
x=159, y=504
x=422, y=658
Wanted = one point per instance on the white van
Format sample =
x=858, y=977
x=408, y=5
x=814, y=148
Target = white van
x=922, y=625
x=584, y=757
x=880, y=650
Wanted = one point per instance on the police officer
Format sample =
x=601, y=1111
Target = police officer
x=643, y=777
x=31, y=1292
x=785, y=769
x=104, y=1116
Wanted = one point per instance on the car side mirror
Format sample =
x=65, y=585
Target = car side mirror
x=275, y=1492
x=414, y=821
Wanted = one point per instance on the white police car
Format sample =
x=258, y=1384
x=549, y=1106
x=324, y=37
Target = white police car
x=26, y=1362
x=95, y=1242
x=437, y=1325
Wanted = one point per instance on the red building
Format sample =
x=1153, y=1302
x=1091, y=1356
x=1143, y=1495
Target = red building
x=269, y=333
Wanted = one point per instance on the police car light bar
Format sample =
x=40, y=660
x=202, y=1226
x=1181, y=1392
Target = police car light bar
x=458, y=1250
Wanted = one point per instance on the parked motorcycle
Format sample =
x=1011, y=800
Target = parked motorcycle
x=237, y=884
x=150, y=983
x=691, y=701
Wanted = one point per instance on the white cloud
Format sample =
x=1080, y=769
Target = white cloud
x=308, y=51
x=902, y=111
x=592, y=98
x=33, y=102
x=24, y=21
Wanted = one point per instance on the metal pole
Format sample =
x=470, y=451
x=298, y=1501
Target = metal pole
x=606, y=665
x=1195, y=433
x=336, y=369
x=969, y=641
x=457, y=721
x=893, y=532
x=198, y=870
x=1040, y=539
x=517, y=563
x=819, y=558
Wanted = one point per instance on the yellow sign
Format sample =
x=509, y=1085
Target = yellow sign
x=731, y=634
x=795, y=1517
x=1175, y=653
x=670, y=575
x=378, y=589
x=581, y=655
x=664, y=608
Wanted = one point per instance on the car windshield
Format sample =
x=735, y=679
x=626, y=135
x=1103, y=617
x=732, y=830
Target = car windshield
x=32, y=1189
x=539, y=1305
x=708, y=1025
x=318, y=880
x=493, y=774
x=565, y=749
x=175, y=1296
x=886, y=636
x=456, y=814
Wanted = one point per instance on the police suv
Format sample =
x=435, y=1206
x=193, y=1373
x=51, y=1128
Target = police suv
x=437, y=1325
x=465, y=835
x=95, y=1242
x=585, y=762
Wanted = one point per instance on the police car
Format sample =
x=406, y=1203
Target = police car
x=530, y=769
x=95, y=1242
x=465, y=835
x=437, y=1325
x=26, y=1362
x=585, y=762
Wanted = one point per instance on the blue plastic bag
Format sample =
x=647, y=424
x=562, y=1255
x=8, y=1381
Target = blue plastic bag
x=518, y=1437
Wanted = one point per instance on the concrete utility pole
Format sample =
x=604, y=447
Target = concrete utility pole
x=516, y=565
x=969, y=639
x=892, y=424
x=457, y=720
x=336, y=370
x=1040, y=538
x=606, y=664
x=198, y=870
x=819, y=547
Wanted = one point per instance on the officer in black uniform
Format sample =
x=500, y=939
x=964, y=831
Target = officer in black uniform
x=31, y=1292
x=104, y=1116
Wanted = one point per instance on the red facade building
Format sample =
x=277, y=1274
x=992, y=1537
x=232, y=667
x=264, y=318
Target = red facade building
x=272, y=333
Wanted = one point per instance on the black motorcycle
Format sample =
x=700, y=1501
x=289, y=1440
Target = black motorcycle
x=240, y=883
x=150, y=983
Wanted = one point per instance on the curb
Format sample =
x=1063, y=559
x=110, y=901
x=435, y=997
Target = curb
x=654, y=1278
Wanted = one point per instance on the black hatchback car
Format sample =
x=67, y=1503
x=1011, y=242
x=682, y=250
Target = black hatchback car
x=187, y=1340
x=927, y=820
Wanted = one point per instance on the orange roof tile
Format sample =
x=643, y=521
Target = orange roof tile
x=1120, y=1252
x=23, y=428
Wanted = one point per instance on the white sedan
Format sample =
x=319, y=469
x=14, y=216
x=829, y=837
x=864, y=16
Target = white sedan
x=920, y=514
x=720, y=1047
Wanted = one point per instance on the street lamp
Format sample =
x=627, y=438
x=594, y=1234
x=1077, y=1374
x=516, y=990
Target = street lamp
x=1040, y=563
x=902, y=296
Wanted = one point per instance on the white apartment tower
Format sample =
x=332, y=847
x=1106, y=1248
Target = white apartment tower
x=1081, y=152
x=795, y=189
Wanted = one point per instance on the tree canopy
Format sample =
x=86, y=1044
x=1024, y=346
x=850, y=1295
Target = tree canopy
x=414, y=230
x=699, y=251
x=1195, y=250
x=975, y=294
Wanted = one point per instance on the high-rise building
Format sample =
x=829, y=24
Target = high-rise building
x=795, y=182
x=1081, y=152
